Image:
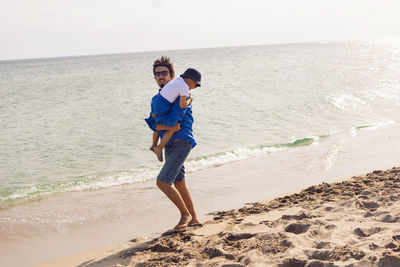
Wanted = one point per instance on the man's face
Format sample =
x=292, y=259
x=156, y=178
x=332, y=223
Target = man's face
x=162, y=76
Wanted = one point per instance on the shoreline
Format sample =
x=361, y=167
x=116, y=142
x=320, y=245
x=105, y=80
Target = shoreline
x=348, y=222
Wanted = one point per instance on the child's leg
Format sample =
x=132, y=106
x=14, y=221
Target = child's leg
x=158, y=149
x=156, y=135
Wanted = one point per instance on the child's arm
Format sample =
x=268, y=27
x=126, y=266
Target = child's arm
x=173, y=117
x=183, y=103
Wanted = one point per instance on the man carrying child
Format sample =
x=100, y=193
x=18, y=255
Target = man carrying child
x=176, y=126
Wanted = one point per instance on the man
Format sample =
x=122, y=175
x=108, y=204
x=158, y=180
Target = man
x=171, y=179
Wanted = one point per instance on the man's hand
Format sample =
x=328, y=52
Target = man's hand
x=190, y=99
x=177, y=127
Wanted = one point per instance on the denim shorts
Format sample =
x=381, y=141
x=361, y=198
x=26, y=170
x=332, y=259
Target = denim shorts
x=173, y=170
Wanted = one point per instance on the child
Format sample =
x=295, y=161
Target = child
x=161, y=105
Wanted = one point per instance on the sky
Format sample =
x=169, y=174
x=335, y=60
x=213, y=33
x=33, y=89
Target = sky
x=57, y=28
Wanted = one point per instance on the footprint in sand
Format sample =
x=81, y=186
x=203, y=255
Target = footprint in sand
x=367, y=232
x=368, y=214
x=393, y=246
x=164, y=245
x=389, y=219
x=394, y=198
x=389, y=260
x=323, y=255
x=317, y=263
x=330, y=226
x=322, y=245
x=213, y=252
x=337, y=254
x=239, y=236
x=299, y=217
x=297, y=228
x=292, y=263
x=370, y=205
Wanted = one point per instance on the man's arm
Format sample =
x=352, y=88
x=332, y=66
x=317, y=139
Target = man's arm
x=160, y=127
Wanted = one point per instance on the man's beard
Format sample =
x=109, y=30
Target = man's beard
x=162, y=83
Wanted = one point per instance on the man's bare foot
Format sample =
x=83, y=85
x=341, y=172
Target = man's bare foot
x=183, y=223
x=194, y=222
x=152, y=148
x=158, y=152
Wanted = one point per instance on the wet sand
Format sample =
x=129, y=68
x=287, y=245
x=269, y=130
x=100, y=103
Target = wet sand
x=350, y=223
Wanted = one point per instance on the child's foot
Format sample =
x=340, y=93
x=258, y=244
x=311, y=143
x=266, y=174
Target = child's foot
x=158, y=152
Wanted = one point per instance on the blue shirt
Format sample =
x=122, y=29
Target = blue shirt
x=159, y=105
x=175, y=115
x=162, y=109
x=186, y=131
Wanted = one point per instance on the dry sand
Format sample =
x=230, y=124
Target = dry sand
x=350, y=223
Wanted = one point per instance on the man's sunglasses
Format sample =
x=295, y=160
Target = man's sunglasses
x=163, y=73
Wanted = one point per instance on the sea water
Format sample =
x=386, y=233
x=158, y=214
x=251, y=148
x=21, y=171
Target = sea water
x=72, y=124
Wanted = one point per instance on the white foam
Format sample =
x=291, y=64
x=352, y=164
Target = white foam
x=145, y=173
x=224, y=158
x=348, y=102
x=389, y=92
x=375, y=126
x=90, y=182
x=327, y=161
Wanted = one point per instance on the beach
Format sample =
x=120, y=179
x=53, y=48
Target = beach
x=349, y=223
x=77, y=175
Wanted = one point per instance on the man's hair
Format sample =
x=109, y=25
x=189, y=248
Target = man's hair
x=165, y=62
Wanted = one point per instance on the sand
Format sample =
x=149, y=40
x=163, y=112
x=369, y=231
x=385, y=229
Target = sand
x=350, y=223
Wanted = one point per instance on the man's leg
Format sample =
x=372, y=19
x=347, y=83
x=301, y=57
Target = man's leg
x=175, y=156
x=187, y=199
x=176, y=198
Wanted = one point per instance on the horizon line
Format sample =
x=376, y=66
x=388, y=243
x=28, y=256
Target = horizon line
x=156, y=50
x=180, y=49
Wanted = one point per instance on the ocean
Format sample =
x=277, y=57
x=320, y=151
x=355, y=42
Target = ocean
x=76, y=124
